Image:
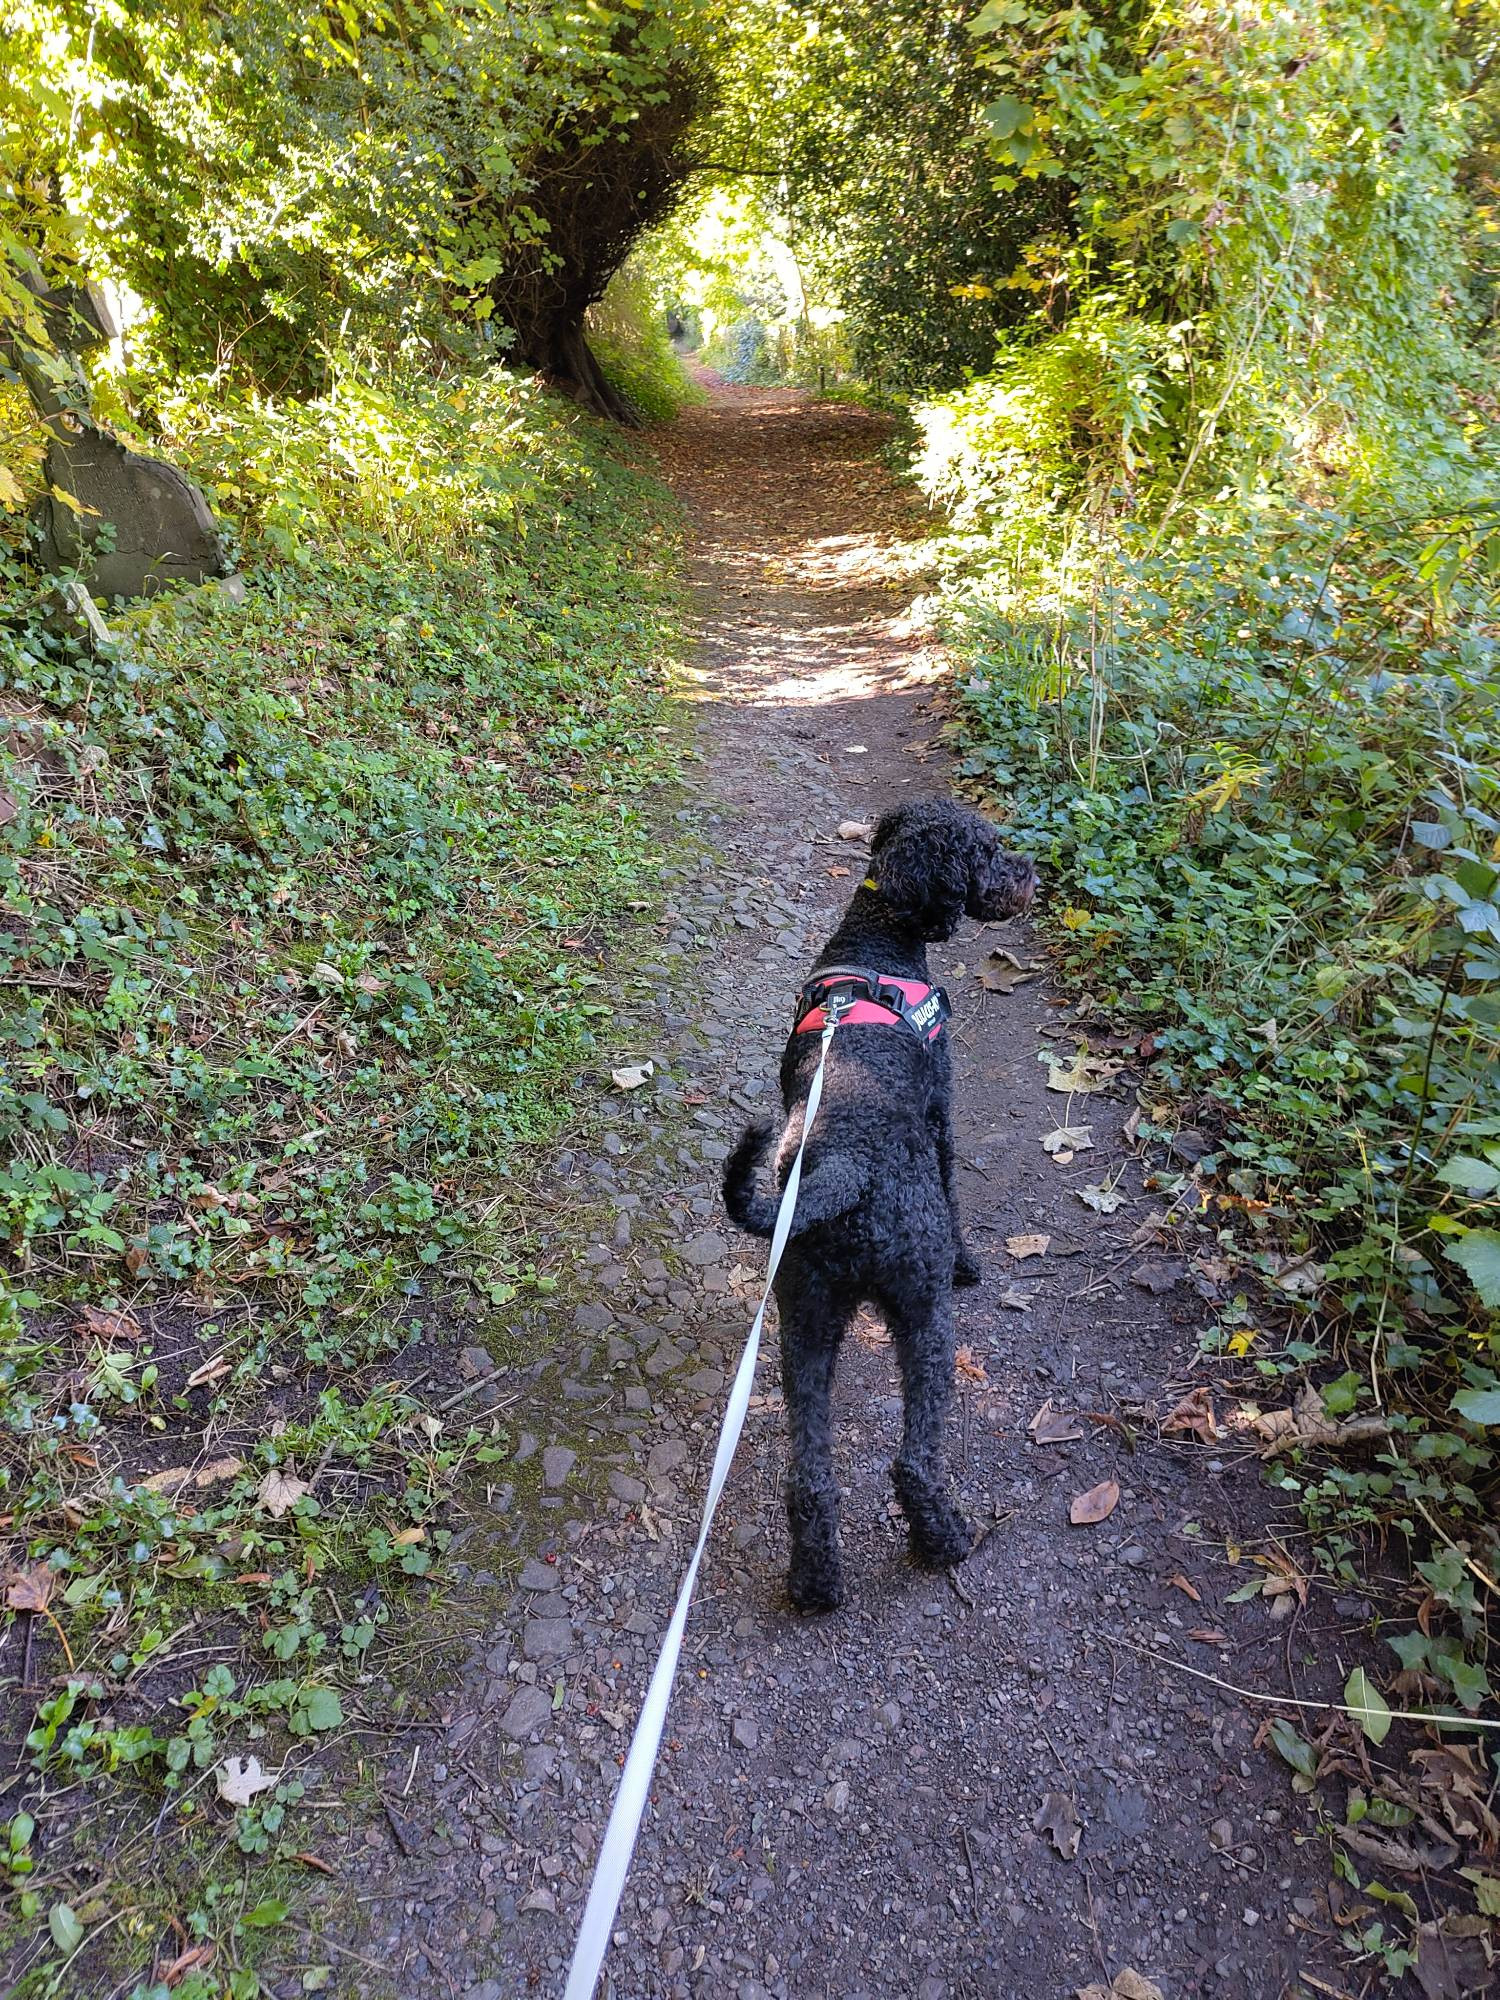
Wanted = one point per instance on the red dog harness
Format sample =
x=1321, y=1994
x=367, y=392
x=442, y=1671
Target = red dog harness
x=870, y=999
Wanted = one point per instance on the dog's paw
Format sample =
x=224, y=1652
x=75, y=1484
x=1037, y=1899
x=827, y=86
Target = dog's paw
x=942, y=1543
x=815, y=1587
x=966, y=1269
x=940, y=1536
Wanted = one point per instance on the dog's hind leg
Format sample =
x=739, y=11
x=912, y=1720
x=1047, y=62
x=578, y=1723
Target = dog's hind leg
x=940, y=1536
x=966, y=1269
x=813, y=1323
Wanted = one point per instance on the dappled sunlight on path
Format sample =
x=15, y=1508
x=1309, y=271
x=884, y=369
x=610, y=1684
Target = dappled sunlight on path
x=815, y=609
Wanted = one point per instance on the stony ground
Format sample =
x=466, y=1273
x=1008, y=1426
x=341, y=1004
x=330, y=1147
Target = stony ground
x=981, y=1787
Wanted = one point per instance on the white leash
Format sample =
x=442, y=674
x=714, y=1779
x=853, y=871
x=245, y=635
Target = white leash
x=624, y=1826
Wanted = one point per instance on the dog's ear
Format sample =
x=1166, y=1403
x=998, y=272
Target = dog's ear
x=923, y=872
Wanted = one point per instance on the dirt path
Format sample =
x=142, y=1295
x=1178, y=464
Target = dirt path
x=847, y=1807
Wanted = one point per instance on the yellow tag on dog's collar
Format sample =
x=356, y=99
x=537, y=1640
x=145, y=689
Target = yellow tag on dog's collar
x=869, y=883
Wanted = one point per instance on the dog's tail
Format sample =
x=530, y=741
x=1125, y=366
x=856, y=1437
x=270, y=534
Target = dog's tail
x=829, y=1189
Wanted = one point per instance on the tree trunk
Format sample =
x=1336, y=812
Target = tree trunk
x=556, y=346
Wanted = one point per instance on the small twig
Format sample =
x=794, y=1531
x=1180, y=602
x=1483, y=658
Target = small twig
x=396, y=1828
x=1293, y=1701
x=472, y=1389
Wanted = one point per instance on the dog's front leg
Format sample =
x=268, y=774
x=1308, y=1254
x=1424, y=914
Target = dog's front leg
x=810, y=1336
x=940, y=1536
x=966, y=1269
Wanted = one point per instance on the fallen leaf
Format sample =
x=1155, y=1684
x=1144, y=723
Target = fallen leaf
x=855, y=829
x=967, y=1366
x=175, y=1477
x=1100, y=1501
x=1009, y=973
x=1300, y=1276
x=1452, y=1962
x=1058, y=1818
x=1051, y=1426
x=1158, y=1275
x=1127, y=1984
x=279, y=1492
x=208, y=1371
x=1462, y=1790
x=1371, y=1710
x=1068, y=1140
x=1409, y=1851
x=1308, y=1423
x=194, y=1959
x=838, y=873
x=107, y=1325
x=238, y=1779
x=1015, y=1300
x=1188, y=1589
x=1209, y=1635
x=31, y=1589
x=633, y=1075
x=1083, y=1073
x=1194, y=1413
x=407, y=1537
x=1022, y=1247
x=1103, y=1200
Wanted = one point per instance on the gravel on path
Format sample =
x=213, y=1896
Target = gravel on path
x=950, y=1789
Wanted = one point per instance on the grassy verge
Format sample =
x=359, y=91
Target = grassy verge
x=303, y=899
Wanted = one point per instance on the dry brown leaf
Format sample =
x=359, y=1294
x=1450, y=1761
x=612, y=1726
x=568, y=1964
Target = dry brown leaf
x=1058, y=1818
x=175, y=1477
x=279, y=1492
x=1181, y=1583
x=1022, y=1247
x=31, y=1589
x=1127, y=1984
x=1209, y=1635
x=967, y=1366
x=1015, y=1300
x=1083, y=1073
x=195, y=1959
x=407, y=1537
x=238, y=1779
x=1051, y=1426
x=1307, y=1423
x=1067, y=1140
x=1194, y=1413
x=1089, y=1509
x=104, y=1324
x=838, y=873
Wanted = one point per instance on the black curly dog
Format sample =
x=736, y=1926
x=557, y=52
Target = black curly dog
x=877, y=1215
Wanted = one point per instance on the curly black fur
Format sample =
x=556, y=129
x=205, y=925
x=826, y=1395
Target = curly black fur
x=877, y=1216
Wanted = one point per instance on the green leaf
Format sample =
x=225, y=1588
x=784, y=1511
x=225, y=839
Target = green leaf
x=265, y=1916
x=65, y=1926
x=1473, y=1176
x=1478, y=1252
x=1007, y=116
x=1478, y=1406
x=1486, y=1891
x=1398, y=1897
x=1292, y=1750
x=1370, y=1706
x=320, y=1708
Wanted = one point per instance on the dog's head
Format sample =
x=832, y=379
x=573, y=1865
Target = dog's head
x=935, y=862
